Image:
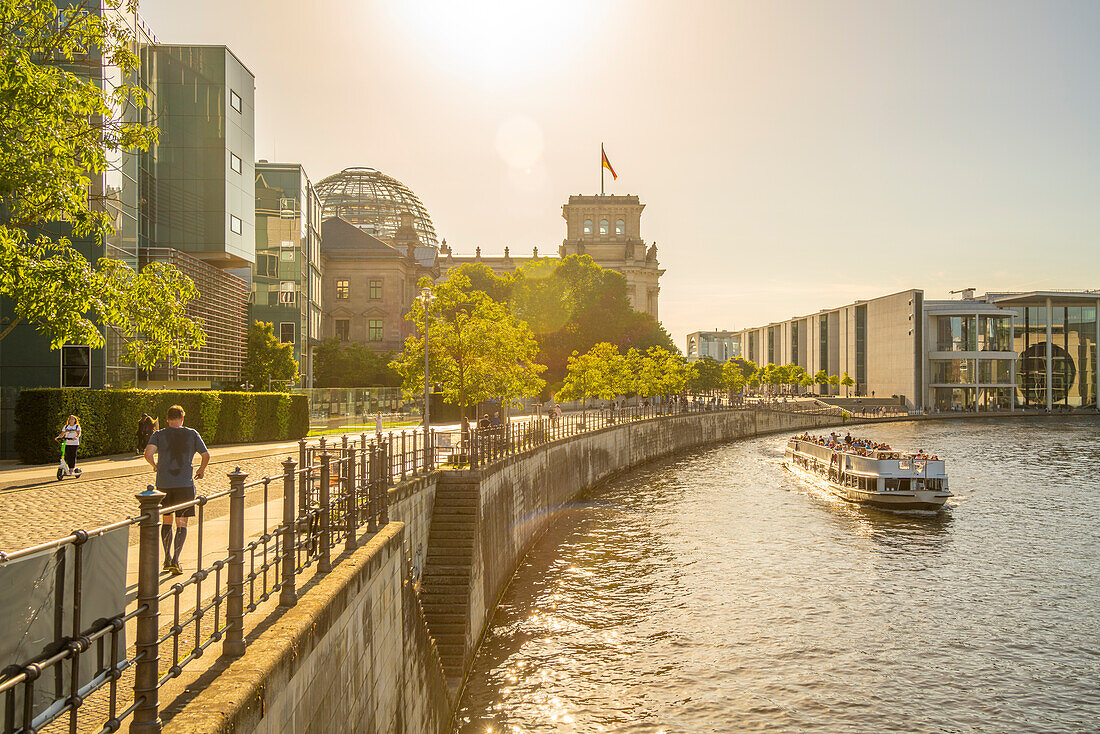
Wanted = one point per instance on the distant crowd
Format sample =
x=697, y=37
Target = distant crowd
x=859, y=446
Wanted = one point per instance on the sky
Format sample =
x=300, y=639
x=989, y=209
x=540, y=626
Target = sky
x=792, y=156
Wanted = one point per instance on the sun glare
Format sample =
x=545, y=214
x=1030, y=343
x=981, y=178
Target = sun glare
x=497, y=37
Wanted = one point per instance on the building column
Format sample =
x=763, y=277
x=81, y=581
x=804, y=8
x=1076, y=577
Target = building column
x=1096, y=362
x=1050, y=353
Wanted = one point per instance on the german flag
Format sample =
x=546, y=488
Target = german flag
x=607, y=164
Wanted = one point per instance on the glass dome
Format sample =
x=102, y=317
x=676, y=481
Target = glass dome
x=373, y=201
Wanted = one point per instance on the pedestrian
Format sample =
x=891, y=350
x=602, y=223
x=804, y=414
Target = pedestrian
x=176, y=447
x=378, y=426
x=145, y=428
x=484, y=424
x=70, y=436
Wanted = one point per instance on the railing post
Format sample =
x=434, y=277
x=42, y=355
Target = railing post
x=430, y=453
x=324, y=563
x=288, y=595
x=147, y=713
x=383, y=492
x=403, y=456
x=306, y=482
x=234, y=600
x=372, y=491
x=389, y=460
x=349, y=495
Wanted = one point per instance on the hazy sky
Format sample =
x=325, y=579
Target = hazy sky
x=792, y=155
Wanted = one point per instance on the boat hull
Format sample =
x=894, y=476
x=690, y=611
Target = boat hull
x=901, y=501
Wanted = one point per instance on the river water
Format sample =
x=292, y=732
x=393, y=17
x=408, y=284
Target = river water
x=716, y=592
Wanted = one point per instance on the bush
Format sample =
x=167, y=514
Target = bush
x=109, y=418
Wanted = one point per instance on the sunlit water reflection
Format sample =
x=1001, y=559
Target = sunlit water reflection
x=717, y=592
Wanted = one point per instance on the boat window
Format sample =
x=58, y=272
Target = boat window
x=903, y=485
x=891, y=485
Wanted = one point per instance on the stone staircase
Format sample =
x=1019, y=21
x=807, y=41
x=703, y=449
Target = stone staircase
x=445, y=585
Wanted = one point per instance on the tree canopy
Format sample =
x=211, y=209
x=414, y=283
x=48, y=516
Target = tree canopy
x=267, y=359
x=351, y=364
x=477, y=349
x=59, y=126
x=570, y=305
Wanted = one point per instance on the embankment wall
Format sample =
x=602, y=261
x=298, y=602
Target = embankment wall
x=357, y=653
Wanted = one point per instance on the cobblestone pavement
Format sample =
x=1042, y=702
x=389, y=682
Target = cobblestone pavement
x=38, y=514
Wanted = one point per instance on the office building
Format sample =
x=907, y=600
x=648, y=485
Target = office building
x=998, y=351
x=286, y=279
x=721, y=346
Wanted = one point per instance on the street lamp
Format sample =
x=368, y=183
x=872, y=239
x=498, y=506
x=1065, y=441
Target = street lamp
x=426, y=297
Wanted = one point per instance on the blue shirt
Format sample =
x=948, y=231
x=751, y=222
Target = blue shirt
x=176, y=447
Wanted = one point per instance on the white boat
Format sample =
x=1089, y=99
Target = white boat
x=890, y=480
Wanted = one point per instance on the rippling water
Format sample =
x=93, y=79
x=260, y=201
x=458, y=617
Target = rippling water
x=716, y=592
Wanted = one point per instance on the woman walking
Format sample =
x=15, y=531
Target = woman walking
x=70, y=436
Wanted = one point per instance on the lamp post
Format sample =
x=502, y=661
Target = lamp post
x=426, y=297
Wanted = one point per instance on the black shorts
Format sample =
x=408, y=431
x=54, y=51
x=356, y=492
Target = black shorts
x=177, y=495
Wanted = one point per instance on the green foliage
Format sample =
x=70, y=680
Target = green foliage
x=706, y=376
x=847, y=382
x=834, y=380
x=350, y=364
x=109, y=418
x=267, y=359
x=601, y=372
x=821, y=377
x=570, y=305
x=59, y=124
x=477, y=350
x=656, y=371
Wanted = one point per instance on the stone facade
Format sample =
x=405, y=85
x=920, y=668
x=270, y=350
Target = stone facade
x=367, y=285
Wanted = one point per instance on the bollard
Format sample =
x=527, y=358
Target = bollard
x=324, y=563
x=147, y=712
x=349, y=495
x=234, y=598
x=288, y=595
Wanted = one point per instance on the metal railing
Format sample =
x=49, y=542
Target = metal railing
x=332, y=491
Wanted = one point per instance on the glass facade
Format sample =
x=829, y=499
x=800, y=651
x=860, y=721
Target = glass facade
x=948, y=399
x=1072, y=351
x=794, y=342
x=956, y=333
x=953, y=372
x=861, y=350
x=286, y=281
x=995, y=371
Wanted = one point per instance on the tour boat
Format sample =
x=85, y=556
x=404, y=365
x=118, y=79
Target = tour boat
x=886, y=479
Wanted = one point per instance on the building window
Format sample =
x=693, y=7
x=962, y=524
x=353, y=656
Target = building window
x=588, y=226
x=235, y=101
x=604, y=227
x=374, y=330
x=956, y=334
x=235, y=163
x=343, y=290
x=376, y=289
x=953, y=371
x=76, y=366
x=288, y=292
x=620, y=227
x=286, y=332
x=235, y=225
x=343, y=328
x=267, y=265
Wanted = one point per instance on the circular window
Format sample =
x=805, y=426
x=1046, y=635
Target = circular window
x=588, y=226
x=1031, y=374
x=604, y=227
x=620, y=227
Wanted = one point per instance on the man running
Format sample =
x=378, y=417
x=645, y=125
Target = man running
x=177, y=446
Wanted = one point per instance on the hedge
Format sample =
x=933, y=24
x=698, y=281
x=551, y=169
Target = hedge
x=109, y=418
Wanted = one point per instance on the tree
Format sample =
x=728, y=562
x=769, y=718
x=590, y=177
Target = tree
x=847, y=382
x=267, y=359
x=58, y=127
x=656, y=371
x=706, y=375
x=477, y=350
x=350, y=364
x=570, y=305
x=821, y=377
x=806, y=380
x=601, y=372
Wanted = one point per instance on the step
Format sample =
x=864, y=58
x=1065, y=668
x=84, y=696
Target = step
x=450, y=510
x=448, y=540
x=469, y=534
x=464, y=522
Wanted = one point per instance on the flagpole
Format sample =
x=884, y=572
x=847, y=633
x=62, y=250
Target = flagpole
x=602, y=154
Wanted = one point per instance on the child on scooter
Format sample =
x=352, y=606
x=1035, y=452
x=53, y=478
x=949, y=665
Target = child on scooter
x=70, y=435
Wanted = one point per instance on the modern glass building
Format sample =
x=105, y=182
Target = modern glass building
x=718, y=345
x=1000, y=351
x=286, y=279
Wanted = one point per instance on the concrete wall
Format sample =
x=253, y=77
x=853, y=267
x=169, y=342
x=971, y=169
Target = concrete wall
x=352, y=656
